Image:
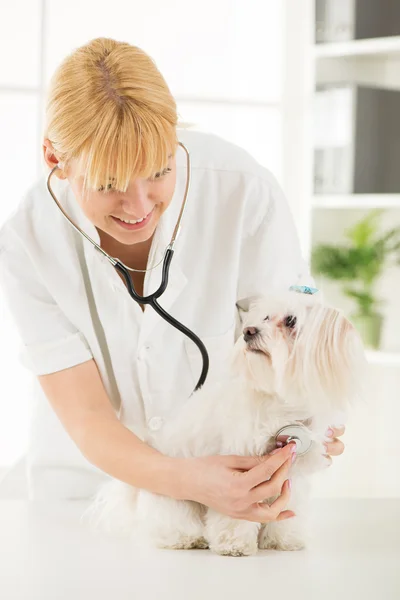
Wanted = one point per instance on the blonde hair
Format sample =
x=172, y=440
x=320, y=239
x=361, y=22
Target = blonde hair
x=109, y=108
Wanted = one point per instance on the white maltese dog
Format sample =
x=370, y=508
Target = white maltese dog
x=298, y=362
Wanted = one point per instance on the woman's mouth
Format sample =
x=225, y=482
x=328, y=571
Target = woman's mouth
x=134, y=226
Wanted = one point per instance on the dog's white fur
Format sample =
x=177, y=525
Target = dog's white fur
x=284, y=375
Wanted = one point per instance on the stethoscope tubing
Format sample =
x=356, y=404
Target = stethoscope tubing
x=151, y=299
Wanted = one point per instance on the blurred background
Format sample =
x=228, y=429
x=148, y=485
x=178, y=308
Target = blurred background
x=312, y=90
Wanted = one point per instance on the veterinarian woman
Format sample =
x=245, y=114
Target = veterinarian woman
x=105, y=366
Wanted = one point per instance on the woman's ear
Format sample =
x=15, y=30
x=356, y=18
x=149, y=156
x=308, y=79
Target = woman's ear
x=51, y=159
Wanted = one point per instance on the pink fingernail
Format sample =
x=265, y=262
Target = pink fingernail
x=293, y=457
x=329, y=433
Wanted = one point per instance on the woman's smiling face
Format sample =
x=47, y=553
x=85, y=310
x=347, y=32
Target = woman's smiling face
x=144, y=198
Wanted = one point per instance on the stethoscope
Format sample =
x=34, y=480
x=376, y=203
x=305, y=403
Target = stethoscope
x=167, y=258
x=294, y=433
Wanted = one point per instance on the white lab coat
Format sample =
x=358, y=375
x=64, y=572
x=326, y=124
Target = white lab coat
x=238, y=240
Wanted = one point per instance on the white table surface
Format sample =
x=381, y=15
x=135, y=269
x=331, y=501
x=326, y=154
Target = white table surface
x=46, y=553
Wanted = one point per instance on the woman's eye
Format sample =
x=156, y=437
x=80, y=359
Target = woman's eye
x=290, y=321
x=160, y=174
x=266, y=319
x=101, y=188
x=153, y=178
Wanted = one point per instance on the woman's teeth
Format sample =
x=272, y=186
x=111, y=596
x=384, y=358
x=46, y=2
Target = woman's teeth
x=133, y=222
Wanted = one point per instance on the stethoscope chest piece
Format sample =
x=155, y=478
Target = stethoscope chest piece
x=294, y=433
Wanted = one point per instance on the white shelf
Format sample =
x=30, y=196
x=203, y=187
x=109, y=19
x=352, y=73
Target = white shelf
x=356, y=201
x=377, y=357
x=379, y=47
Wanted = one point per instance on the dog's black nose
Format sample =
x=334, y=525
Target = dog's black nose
x=249, y=333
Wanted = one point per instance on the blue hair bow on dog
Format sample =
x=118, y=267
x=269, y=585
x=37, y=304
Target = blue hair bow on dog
x=303, y=289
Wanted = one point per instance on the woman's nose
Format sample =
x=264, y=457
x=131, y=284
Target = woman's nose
x=135, y=196
x=249, y=333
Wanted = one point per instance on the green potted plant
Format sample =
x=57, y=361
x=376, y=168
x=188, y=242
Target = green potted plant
x=358, y=265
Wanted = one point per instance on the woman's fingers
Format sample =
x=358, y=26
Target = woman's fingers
x=338, y=430
x=261, y=477
x=247, y=463
x=286, y=514
x=262, y=513
x=243, y=463
x=273, y=487
x=335, y=447
x=264, y=471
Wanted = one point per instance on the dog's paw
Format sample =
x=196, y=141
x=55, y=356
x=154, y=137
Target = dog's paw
x=201, y=543
x=231, y=537
x=235, y=548
x=184, y=542
x=287, y=545
x=283, y=535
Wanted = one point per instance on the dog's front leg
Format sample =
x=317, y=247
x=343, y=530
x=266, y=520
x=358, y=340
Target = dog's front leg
x=293, y=533
x=170, y=523
x=231, y=537
x=288, y=534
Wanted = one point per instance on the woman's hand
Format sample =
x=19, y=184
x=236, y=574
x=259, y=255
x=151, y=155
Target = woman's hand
x=237, y=485
x=336, y=446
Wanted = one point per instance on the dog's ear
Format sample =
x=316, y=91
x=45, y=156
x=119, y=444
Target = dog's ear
x=339, y=359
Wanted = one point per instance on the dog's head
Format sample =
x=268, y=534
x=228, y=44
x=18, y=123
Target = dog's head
x=295, y=347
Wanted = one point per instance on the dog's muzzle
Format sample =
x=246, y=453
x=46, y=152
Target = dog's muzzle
x=250, y=334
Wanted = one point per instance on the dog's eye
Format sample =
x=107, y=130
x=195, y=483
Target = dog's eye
x=290, y=321
x=266, y=319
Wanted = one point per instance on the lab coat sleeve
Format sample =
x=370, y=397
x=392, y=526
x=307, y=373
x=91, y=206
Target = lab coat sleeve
x=270, y=258
x=49, y=342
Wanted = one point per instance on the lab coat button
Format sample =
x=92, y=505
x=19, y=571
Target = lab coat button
x=155, y=423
